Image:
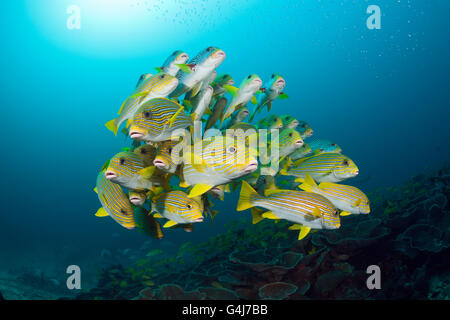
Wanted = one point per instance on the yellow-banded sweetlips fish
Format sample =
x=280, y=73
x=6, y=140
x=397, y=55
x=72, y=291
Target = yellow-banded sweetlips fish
x=147, y=224
x=200, y=103
x=273, y=89
x=301, y=152
x=147, y=153
x=219, y=191
x=289, y=141
x=220, y=81
x=237, y=117
x=114, y=202
x=197, y=70
x=158, y=120
x=142, y=78
x=170, y=66
x=265, y=182
x=217, y=112
x=324, y=167
x=216, y=161
x=306, y=209
x=271, y=122
x=305, y=130
x=137, y=198
x=177, y=207
x=289, y=122
x=165, y=160
x=157, y=86
x=319, y=145
x=128, y=170
x=242, y=95
x=241, y=129
x=349, y=199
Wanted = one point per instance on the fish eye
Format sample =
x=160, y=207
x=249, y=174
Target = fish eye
x=232, y=149
x=143, y=151
x=209, y=49
x=147, y=115
x=290, y=134
x=345, y=163
x=333, y=144
x=170, y=150
x=162, y=76
x=122, y=161
x=122, y=211
x=304, y=125
x=189, y=206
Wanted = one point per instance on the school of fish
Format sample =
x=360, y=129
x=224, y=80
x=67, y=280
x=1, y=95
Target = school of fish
x=195, y=137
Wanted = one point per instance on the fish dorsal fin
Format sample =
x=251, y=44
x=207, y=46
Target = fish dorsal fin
x=231, y=90
x=101, y=212
x=269, y=215
x=199, y=189
x=269, y=192
x=169, y=224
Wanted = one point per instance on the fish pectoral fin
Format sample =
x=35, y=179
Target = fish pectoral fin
x=129, y=122
x=357, y=203
x=344, y=213
x=147, y=173
x=185, y=67
x=101, y=213
x=317, y=212
x=172, y=119
x=111, y=125
x=254, y=100
x=231, y=90
x=95, y=190
x=169, y=224
x=196, y=89
x=269, y=215
x=157, y=215
x=195, y=161
x=304, y=230
x=199, y=189
x=283, y=96
x=269, y=106
x=159, y=69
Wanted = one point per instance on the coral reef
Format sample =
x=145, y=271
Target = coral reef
x=407, y=235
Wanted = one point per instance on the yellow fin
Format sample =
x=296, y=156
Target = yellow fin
x=147, y=173
x=244, y=202
x=344, y=213
x=269, y=215
x=308, y=184
x=101, y=213
x=195, y=161
x=299, y=180
x=254, y=101
x=283, y=172
x=303, y=232
x=227, y=188
x=193, y=115
x=196, y=89
x=317, y=213
x=299, y=161
x=325, y=185
x=172, y=119
x=295, y=227
x=129, y=122
x=256, y=215
x=208, y=111
x=183, y=184
x=231, y=90
x=169, y=224
x=95, y=190
x=111, y=125
x=357, y=203
x=199, y=189
x=157, y=215
x=269, y=192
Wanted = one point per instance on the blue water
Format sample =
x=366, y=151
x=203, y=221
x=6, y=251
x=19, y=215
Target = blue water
x=383, y=95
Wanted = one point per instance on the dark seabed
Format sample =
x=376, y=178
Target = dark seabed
x=381, y=94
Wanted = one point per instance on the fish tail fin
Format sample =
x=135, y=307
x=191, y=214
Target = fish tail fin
x=308, y=184
x=112, y=125
x=246, y=197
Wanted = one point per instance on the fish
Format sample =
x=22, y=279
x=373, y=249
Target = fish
x=219, y=83
x=176, y=207
x=273, y=89
x=237, y=117
x=301, y=152
x=241, y=129
x=158, y=120
x=200, y=104
x=147, y=224
x=306, y=210
x=170, y=66
x=128, y=170
x=143, y=77
x=349, y=199
x=318, y=145
x=271, y=122
x=166, y=160
x=216, y=114
x=289, y=122
x=289, y=141
x=242, y=95
x=305, y=129
x=114, y=202
x=197, y=70
x=219, y=191
x=265, y=182
x=137, y=198
x=216, y=161
x=147, y=153
x=323, y=167
x=157, y=86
